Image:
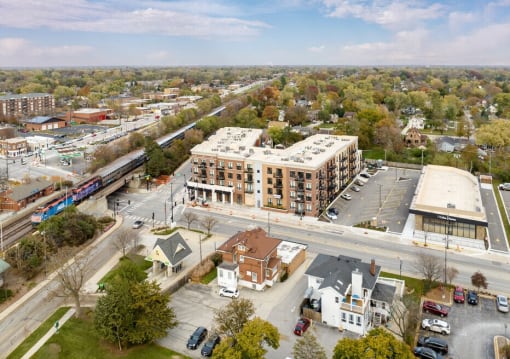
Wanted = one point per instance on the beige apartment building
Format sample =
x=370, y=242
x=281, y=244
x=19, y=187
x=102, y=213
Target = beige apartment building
x=232, y=166
x=27, y=104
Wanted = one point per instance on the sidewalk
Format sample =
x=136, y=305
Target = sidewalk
x=49, y=334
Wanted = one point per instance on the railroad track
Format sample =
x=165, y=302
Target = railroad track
x=16, y=230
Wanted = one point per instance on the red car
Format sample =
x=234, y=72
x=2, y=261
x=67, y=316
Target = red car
x=458, y=295
x=435, y=308
x=301, y=326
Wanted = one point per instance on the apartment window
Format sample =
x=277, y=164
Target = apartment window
x=195, y=161
x=253, y=276
x=241, y=259
x=211, y=172
x=292, y=184
x=278, y=202
x=308, y=175
x=351, y=318
x=211, y=181
x=238, y=176
x=270, y=201
x=344, y=317
x=292, y=204
x=221, y=273
x=336, y=300
x=269, y=170
x=269, y=191
x=292, y=194
x=269, y=181
x=229, y=175
x=230, y=165
x=292, y=173
x=239, y=186
x=358, y=320
x=230, y=184
x=308, y=207
x=308, y=185
x=211, y=163
x=221, y=164
x=195, y=169
x=221, y=183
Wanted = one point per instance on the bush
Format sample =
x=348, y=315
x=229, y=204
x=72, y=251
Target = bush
x=217, y=259
x=5, y=294
x=201, y=270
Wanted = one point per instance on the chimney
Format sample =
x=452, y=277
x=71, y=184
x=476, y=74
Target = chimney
x=372, y=267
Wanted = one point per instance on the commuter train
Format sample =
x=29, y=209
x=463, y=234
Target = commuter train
x=103, y=177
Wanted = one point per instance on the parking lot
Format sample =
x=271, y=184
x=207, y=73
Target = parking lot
x=194, y=305
x=385, y=197
x=473, y=328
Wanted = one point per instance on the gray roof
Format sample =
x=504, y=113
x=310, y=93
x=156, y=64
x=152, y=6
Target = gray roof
x=43, y=119
x=26, y=190
x=384, y=292
x=337, y=272
x=174, y=247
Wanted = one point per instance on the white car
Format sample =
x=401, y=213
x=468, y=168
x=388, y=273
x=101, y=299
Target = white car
x=137, y=224
x=504, y=187
x=331, y=215
x=502, y=303
x=355, y=188
x=229, y=292
x=346, y=196
x=436, y=325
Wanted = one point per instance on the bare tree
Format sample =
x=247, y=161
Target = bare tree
x=479, y=280
x=71, y=278
x=208, y=223
x=125, y=238
x=405, y=314
x=190, y=217
x=451, y=274
x=430, y=267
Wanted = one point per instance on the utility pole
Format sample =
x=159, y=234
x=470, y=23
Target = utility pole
x=171, y=204
x=268, y=224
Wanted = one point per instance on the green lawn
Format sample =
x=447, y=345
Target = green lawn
x=209, y=277
x=413, y=284
x=37, y=334
x=135, y=258
x=77, y=339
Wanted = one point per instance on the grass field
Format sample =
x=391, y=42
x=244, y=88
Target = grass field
x=78, y=339
x=135, y=258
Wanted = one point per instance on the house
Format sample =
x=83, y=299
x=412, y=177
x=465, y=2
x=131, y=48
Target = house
x=250, y=259
x=44, y=123
x=168, y=254
x=414, y=138
x=446, y=144
x=20, y=196
x=344, y=288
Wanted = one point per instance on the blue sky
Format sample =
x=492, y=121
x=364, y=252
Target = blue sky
x=54, y=33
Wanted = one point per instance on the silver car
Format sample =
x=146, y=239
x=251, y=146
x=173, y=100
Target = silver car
x=502, y=303
x=436, y=325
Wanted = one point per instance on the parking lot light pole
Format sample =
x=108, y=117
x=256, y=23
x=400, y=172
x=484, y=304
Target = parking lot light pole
x=380, y=195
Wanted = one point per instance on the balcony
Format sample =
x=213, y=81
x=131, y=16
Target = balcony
x=352, y=304
x=220, y=178
x=300, y=179
x=343, y=159
x=248, y=170
x=343, y=167
x=343, y=177
x=353, y=151
x=202, y=165
x=203, y=175
x=300, y=199
x=278, y=184
x=248, y=179
x=220, y=167
x=331, y=167
x=278, y=174
x=248, y=190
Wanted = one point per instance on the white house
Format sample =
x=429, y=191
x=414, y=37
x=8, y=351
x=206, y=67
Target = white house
x=345, y=286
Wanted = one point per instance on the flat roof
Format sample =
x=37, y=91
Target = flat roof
x=289, y=250
x=90, y=110
x=239, y=143
x=23, y=95
x=449, y=191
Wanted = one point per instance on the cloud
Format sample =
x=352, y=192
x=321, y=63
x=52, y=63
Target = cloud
x=317, y=48
x=390, y=14
x=458, y=19
x=199, y=19
x=10, y=46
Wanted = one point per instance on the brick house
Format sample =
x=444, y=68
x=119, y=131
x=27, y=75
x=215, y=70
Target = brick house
x=250, y=259
x=20, y=196
x=43, y=123
x=414, y=138
x=13, y=147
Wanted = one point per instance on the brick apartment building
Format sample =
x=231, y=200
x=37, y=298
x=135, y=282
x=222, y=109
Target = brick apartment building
x=233, y=167
x=27, y=104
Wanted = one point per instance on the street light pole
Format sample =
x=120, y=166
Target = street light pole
x=171, y=204
x=268, y=224
x=380, y=195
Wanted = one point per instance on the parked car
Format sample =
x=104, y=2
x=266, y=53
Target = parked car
x=346, y=196
x=437, y=344
x=301, y=326
x=472, y=297
x=355, y=188
x=425, y=353
x=334, y=210
x=435, y=308
x=137, y=224
x=436, y=325
x=331, y=214
x=196, y=338
x=502, y=303
x=504, y=187
x=365, y=175
x=209, y=345
x=458, y=295
x=359, y=182
x=229, y=292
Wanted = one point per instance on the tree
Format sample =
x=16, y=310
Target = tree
x=451, y=274
x=190, y=217
x=307, y=347
x=208, y=223
x=133, y=313
x=231, y=319
x=430, y=267
x=123, y=239
x=71, y=278
x=252, y=340
x=406, y=315
x=27, y=256
x=378, y=343
x=479, y=280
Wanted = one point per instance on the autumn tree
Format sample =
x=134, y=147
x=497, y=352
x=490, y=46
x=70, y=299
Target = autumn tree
x=251, y=341
x=28, y=256
x=378, y=343
x=479, y=280
x=430, y=267
x=231, y=319
x=308, y=347
x=208, y=223
x=495, y=134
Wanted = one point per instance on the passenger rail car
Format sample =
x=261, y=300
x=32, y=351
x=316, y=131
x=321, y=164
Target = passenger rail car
x=86, y=188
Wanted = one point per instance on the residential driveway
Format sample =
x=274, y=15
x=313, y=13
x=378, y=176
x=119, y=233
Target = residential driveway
x=386, y=197
x=194, y=305
x=473, y=328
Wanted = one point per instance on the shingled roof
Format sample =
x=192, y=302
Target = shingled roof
x=26, y=190
x=174, y=248
x=336, y=272
x=256, y=241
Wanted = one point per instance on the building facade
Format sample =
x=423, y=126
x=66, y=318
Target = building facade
x=44, y=123
x=27, y=104
x=13, y=147
x=233, y=166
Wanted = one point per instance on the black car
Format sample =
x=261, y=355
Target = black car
x=425, y=353
x=196, y=338
x=209, y=345
x=438, y=344
x=333, y=210
x=472, y=297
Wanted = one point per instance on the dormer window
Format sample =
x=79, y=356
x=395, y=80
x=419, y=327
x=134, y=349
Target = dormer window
x=241, y=248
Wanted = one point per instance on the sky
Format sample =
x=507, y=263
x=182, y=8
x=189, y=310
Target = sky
x=71, y=33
